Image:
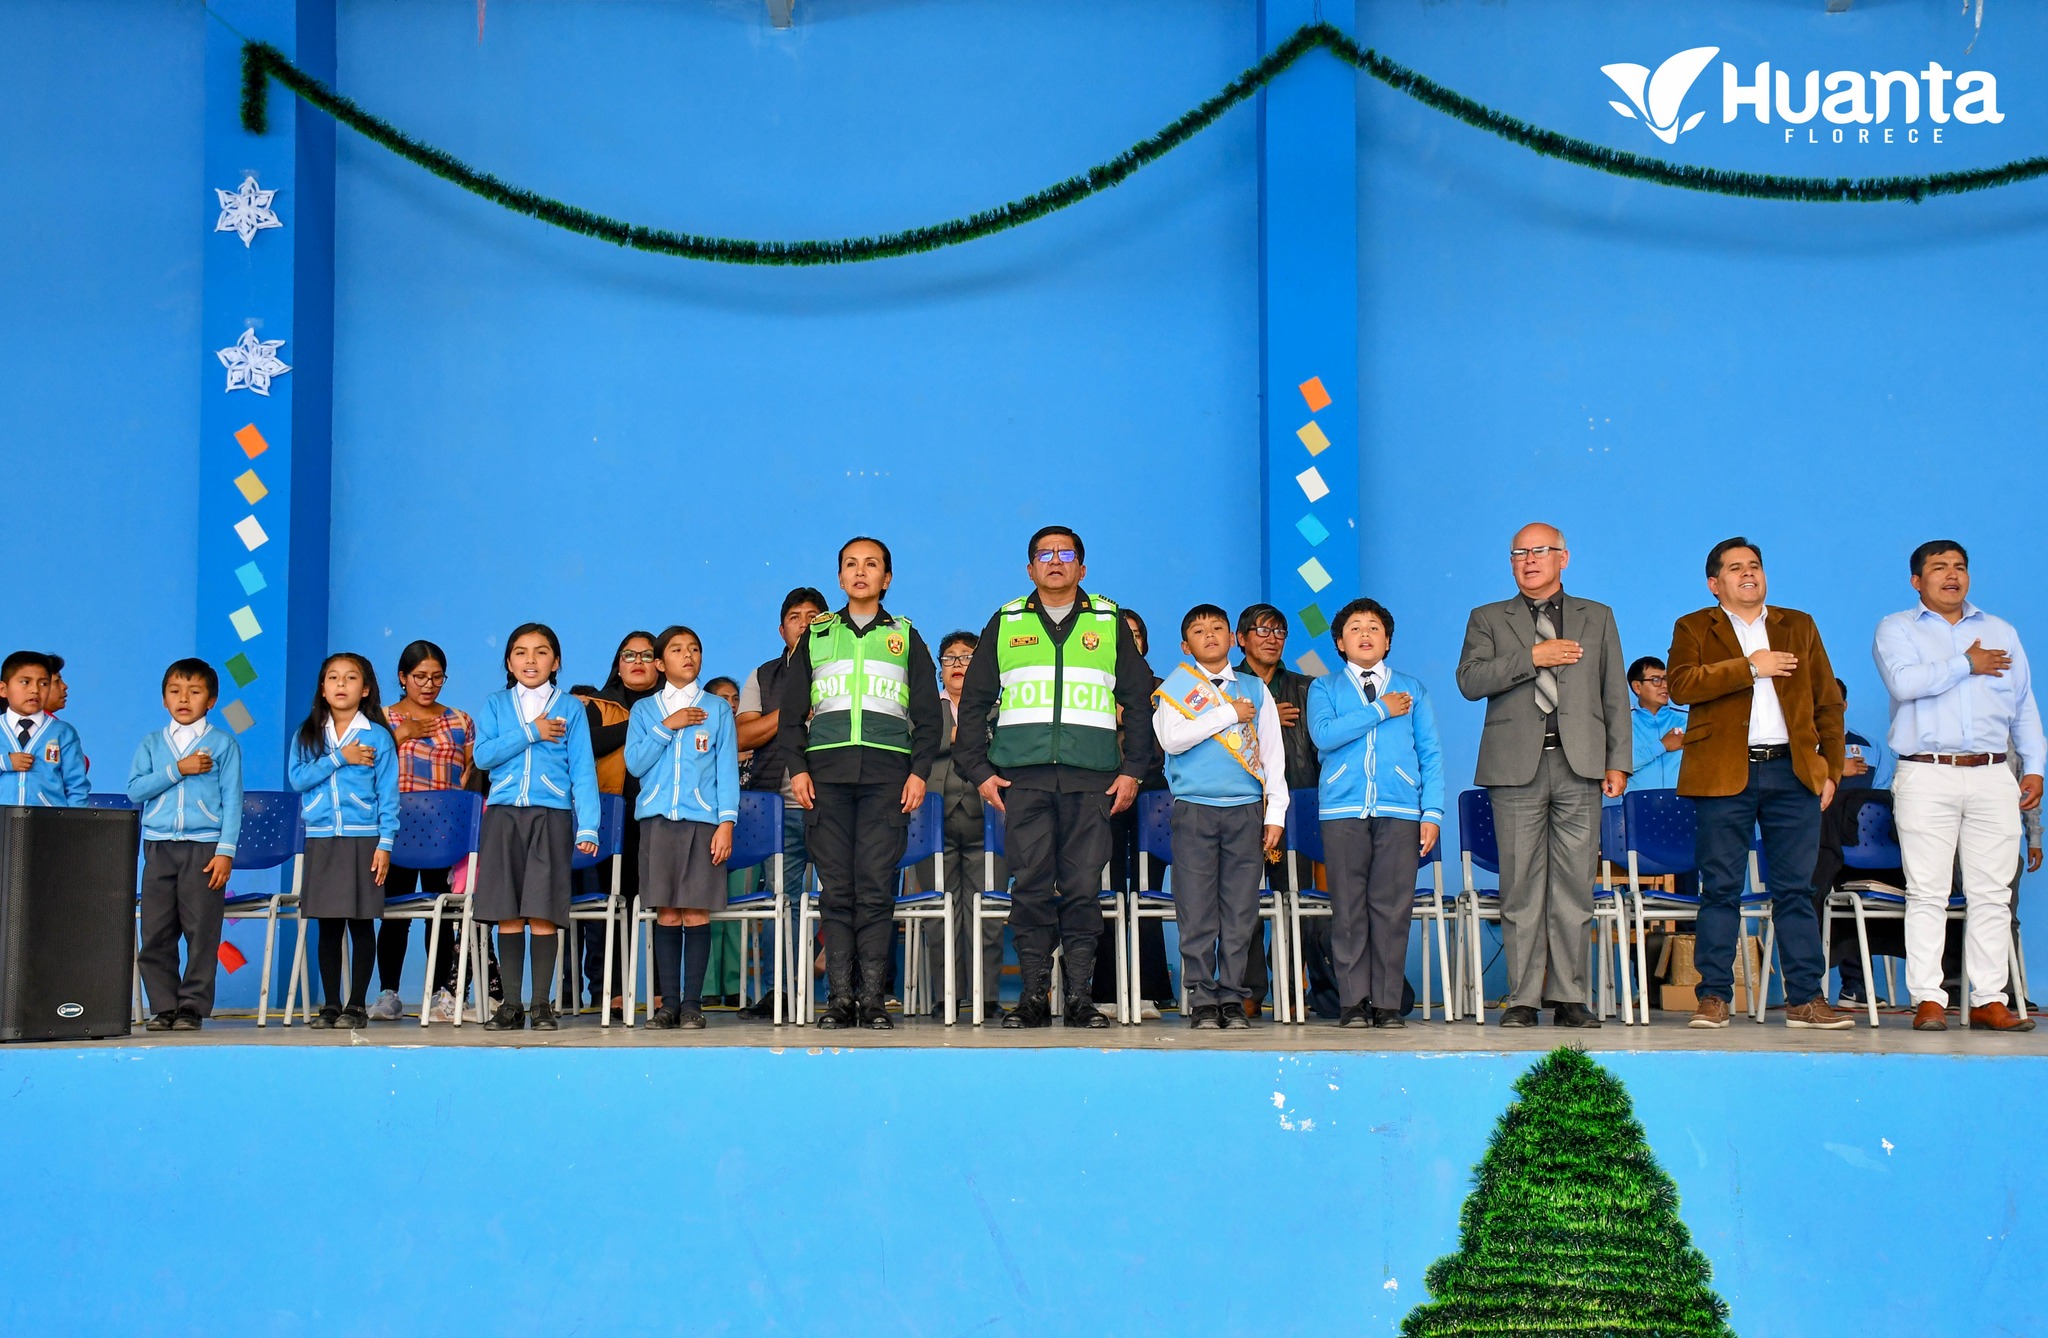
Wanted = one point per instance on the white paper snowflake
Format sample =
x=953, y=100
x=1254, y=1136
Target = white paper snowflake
x=247, y=211
x=251, y=362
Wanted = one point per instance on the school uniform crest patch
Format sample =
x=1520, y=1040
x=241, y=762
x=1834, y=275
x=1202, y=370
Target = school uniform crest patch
x=50, y=754
x=703, y=742
x=1089, y=641
x=895, y=643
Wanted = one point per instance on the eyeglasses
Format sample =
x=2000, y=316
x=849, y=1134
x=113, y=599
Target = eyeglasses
x=956, y=659
x=638, y=657
x=1045, y=557
x=1656, y=682
x=1270, y=633
x=1540, y=550
x=427, y=680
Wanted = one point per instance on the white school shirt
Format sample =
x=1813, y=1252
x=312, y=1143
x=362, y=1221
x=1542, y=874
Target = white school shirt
x=673, y=698
x=1766, y=716
x=355, y=726
x=184, y=736
x=533, y=701
x=1380, y=674
x=35, y=725
x=1176, y=734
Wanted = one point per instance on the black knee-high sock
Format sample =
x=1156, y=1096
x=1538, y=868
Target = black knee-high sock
x=362, y=936
x=544, y=946
x=696, y=956
x=331, y=931
x=512, y=966
x=668, y=963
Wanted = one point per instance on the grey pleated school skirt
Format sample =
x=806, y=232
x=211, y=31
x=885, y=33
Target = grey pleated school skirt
x=676, y=868
x=336, y=879
x=522, y=864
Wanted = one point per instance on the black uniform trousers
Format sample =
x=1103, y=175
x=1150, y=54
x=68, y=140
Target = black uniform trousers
x=1058, y=844
x=856, y=834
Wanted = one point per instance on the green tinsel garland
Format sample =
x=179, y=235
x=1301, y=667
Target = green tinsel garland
x=262, y=62
x=1571, y=1226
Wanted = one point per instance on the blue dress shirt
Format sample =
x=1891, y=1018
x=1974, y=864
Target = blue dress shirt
x=1656, y=768
x=1938, y=705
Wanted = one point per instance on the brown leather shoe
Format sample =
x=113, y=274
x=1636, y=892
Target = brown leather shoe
x=1818, y=1015
x=1995, y=1016
x=1710, y=1012
x=1930, y=1016
x=1251, y=1009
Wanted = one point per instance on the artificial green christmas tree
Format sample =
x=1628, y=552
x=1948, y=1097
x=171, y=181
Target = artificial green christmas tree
x=1572, y=1227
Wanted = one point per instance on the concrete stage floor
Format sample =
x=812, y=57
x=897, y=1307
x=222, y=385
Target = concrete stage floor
x=1666, y=1032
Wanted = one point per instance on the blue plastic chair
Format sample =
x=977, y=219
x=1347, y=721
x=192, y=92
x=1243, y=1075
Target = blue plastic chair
x=919, y=909
x=1155, y=843
x=608, y=906
x=1477, y=850
x=995, y=903
x=273, y=832
x=756, y=840
x=437, y=829
x=925, y=837
x=1662, y=832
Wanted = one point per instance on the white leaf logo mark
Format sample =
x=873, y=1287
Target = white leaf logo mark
x=1660, y=97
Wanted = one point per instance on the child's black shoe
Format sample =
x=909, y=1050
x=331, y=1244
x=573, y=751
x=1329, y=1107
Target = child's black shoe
x=160, y=1022
x=1234, y=1018
x=326, y=1018
x=186, y=1019
x=353, y=1019
x=544, y=1018
x=507, y=1018
x=1355, y=1017
x=664, y=1019
x=1388, y=1017
x=691, y=1019
x=1205, y=1017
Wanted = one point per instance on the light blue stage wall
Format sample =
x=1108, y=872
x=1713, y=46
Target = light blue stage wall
x=1061, y=1191
x=1656, y=369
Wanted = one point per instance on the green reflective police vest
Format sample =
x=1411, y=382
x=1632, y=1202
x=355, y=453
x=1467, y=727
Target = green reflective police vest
x=1058, y=703
x=860, y=685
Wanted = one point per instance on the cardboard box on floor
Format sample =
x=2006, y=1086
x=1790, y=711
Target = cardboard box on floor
x=1681, y=978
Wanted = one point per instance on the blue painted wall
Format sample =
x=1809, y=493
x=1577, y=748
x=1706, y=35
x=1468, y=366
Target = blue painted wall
x=529, y=1190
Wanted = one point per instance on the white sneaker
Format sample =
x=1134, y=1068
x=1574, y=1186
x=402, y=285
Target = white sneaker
x=387, y=1008
x=444, y=1006
x=1148, y=1011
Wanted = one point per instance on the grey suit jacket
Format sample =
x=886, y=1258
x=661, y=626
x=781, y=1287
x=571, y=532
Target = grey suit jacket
x=1592, y=696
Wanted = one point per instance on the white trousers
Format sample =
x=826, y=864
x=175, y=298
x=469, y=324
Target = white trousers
x=1945, y=816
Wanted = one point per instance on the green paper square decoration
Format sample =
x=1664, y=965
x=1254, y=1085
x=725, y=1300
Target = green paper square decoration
x=1312, y=620
x=239, y=669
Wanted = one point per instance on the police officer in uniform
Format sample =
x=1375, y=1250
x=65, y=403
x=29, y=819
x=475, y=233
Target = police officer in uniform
x=859, y=732
x=1038, y=737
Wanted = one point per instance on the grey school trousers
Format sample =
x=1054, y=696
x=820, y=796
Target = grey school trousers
x=1372, y=864
x=1219, y=865
x=1549, y=835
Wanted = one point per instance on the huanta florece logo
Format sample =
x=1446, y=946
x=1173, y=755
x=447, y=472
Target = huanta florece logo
x=1852, y=102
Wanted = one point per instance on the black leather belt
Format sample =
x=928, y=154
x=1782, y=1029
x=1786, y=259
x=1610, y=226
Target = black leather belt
x=1770, y=752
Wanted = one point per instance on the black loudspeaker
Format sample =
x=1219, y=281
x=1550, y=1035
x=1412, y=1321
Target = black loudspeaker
x=67, y=922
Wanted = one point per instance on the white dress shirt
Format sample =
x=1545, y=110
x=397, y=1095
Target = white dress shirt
x=1939, y=706
x=533, y=701
x=184, y=736
x=1379, y=676
x=1766, y=716
x=14, y=723
x=1176, y=734
x=355, y=726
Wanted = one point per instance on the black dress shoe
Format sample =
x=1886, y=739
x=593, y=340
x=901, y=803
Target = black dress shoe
x=690, y=1019
x=351, y=1019
x=874, y=1015
x=1355, y=1018
x=1573, y=1015
x=185, y=1019
x=543, y=1018
x=325, y=1019
x=761, y=1009
x=1388, y=1017
x=1082, y=1012
x=161, y=1022
x=509, y=1017
x=1235, y=1018
x=1031, y=1011
x=664, y=1019
x=1205, y=1017
x=1521, y=1015
x=838, y=1015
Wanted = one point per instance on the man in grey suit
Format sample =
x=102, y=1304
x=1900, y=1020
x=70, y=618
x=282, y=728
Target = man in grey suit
x=1557, y=737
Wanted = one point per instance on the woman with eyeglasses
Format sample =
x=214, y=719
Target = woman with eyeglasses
x=434, y=743
x=636, y=673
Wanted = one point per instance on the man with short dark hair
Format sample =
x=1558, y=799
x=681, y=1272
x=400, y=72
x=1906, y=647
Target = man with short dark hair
x=1962, y=697
x=756, y=724
x=1763, y=750
x=1658, y=727
x=1038, y=737
x=1557, y=738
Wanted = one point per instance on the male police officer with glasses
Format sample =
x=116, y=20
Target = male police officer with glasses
x=1038, y=737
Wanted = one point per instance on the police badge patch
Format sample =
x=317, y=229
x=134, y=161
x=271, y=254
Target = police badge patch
x=1089, y=641
x=895, y=643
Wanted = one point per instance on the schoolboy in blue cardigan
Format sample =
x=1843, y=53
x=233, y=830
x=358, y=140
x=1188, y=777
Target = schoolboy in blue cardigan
x=45, y=764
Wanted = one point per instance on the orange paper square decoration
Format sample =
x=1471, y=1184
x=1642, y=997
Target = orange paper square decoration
x=252, y=441
x=1313, y=392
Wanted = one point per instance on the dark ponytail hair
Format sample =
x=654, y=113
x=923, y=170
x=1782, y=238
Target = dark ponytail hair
x=554, y=644
x=312, y=736
x=418, y=653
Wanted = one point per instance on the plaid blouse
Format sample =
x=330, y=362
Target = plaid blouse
x=434, y=761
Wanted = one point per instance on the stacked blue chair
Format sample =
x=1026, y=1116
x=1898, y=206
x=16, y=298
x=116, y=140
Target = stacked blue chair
x=1477, y=849
x=756, y=841
x=437, y=829
x=607, y=905
x=273, y=832
x=1612, y=922
x=994, y=904
x=1661, y=830
x=919, y=910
